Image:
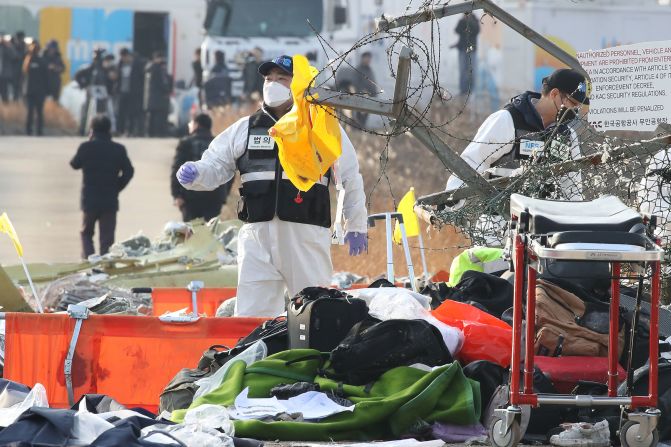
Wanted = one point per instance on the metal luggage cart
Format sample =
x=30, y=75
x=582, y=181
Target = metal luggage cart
x=547, y=231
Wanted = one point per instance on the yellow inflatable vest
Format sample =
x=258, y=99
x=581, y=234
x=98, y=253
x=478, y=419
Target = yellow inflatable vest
x=308, y=137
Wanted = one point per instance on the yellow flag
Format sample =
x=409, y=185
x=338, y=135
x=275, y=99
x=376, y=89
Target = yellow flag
x=7, y=227
x=407, y=207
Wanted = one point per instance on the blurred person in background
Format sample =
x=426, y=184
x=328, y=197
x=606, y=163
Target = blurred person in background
x=9, y=60
x=21, y=49
x=217, y=87
x=130, y=91
x=196, y=204
x=94, y=78
x=253, y=81
x=37, y=78
x=467, y=29
x=111, y=74
x=157, y=90
x=364, y=83
x=107, y=170
x=55, y=68
x=197, y=67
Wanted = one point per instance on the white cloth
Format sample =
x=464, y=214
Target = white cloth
x=277, y=255
x=313, y=405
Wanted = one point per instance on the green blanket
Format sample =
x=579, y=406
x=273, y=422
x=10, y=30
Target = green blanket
x=400, y=398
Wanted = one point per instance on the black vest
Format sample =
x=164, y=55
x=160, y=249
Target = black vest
x=527, y=139
x=530, y=136
x=266, y=192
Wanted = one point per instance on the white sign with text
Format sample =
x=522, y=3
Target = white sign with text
x=631, y=86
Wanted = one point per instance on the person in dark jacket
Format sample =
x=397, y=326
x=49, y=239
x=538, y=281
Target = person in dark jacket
x=467, y=29
x=35, y=70
x=130, y=90
x=9, y=60
x=106, y=172
x=157, y=89
x=217, y=88
x=21, y=49
x=195, y=204
x=197, y=81
x=55, y=67
x=365, y=83
x=95, y=79
x=253, y=81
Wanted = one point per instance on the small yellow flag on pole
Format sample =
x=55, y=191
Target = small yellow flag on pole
x=407, y=207
x=7, y=228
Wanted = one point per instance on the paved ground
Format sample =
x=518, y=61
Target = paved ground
x=40, y=193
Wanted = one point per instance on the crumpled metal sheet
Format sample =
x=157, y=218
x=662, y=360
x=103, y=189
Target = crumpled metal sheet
x=194, y=251
x=101, y=299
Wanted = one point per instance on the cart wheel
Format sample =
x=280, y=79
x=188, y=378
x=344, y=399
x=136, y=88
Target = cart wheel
x=629, y=434
x=510, y=439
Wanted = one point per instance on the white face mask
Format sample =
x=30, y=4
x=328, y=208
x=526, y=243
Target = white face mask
x=275, y=94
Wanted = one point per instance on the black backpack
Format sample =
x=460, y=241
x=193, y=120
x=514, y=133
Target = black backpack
x=491, y=292
x=367, y=352
x=320, y=318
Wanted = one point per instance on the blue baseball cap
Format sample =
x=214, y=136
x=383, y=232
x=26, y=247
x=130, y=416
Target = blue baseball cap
x=284, y=62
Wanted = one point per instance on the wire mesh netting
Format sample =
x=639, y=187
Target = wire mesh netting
x=574, y=161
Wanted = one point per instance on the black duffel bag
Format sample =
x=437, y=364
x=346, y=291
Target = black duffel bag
x=368, y=352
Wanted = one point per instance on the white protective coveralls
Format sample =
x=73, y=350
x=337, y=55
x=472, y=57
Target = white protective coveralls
x=278, y=255
x=495, y=139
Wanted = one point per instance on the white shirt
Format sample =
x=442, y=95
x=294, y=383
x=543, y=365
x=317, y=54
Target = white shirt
x=218, y=166
x=494, y=139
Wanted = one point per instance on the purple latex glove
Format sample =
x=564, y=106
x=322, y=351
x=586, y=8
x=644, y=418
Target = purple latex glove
x=187, y=173
x=358, y=242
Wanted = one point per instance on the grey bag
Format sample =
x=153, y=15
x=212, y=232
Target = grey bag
x=178, y=394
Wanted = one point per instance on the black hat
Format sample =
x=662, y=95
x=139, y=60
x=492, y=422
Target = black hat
x=570, y=82
x=284, y=62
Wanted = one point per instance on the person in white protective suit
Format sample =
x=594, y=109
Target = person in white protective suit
x=285, y=241
x=521, y=131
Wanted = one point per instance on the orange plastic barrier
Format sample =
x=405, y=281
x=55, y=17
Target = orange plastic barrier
x=169, y=299
x=126, y=357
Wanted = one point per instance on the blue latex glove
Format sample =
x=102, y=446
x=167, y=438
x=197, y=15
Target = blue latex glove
x=358, y=243
x=187, y=173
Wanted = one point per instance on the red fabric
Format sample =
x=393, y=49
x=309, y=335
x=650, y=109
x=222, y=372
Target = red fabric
x=566, y=372
x=485, y=337
x=126, y=357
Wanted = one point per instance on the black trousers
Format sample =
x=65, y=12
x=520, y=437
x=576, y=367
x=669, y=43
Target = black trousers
x=4, y=90
x=129, y=116
x=35, y=107
x=158, y=121
x=106, y=226
x=192, y=211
